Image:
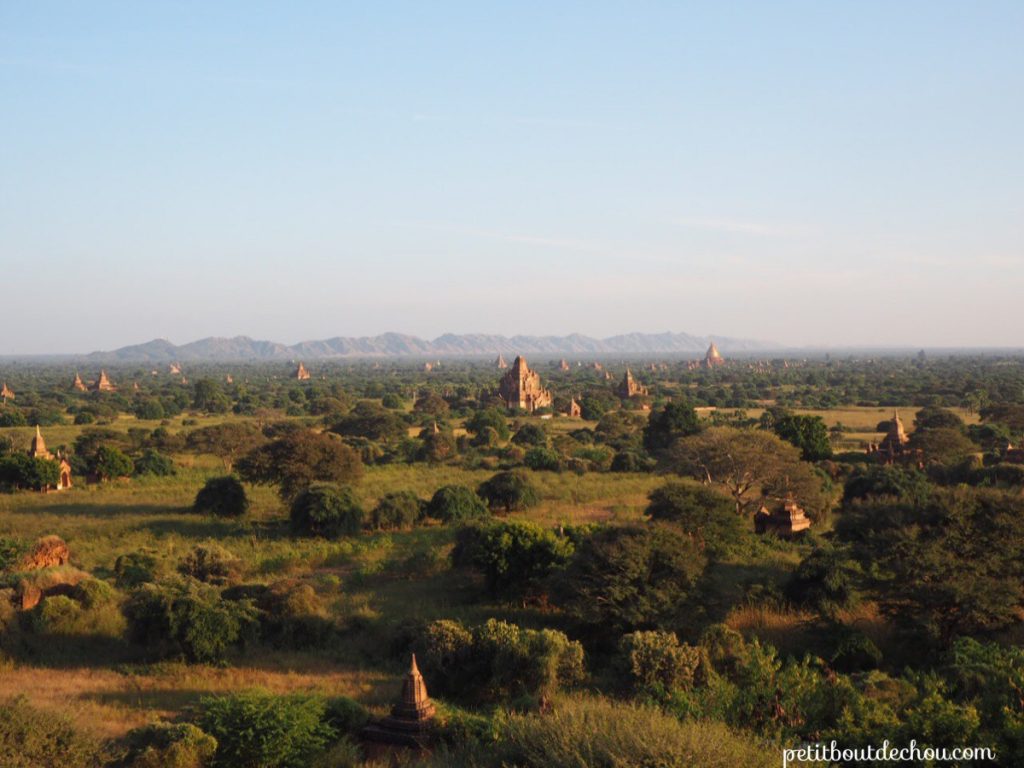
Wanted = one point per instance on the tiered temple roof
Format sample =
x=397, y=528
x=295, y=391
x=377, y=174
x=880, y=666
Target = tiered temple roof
x=521, y=388
x=78, y=385
x=630, y=387
x=103, y=384
x=301, y=373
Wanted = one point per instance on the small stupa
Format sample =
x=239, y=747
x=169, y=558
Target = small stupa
x=408, y=725
x=301, y=374
x=574, y=411
x=6, y=393
x=103, y=384
x=563, y=364
x=500, y=362
x=78, y=385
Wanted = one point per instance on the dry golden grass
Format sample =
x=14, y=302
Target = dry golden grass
x=109, y=703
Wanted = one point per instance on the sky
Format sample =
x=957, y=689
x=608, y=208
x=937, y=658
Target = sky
x=807, y=173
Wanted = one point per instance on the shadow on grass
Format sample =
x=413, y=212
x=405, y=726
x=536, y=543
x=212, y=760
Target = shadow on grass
x=71, y=651
x=98, y=511
x=173, y=700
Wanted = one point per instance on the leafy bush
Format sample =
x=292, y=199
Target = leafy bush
x=630, y=577
x=396, y=510
x=657, y=660
x=154, y=463
x=31, y=738
x=256, y=728
x=188, y=618
x=700, y=512
x=11, y=551
x=222, y=497
x=513, y=556
x=169, y=745
x=542, y=458
x=510, y=491
x=211, y=563
x=110, y=462
x=293, y=616
x=327, y=510
x=824, y=580
x=134, y=568
x=455, y=503
x=530, y=434
x=497, y=660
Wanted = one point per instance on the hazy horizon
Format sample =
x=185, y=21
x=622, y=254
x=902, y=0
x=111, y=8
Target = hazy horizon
x=814, y=175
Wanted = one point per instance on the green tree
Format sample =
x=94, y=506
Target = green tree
x=154, y=463
x=489, y=417
x=808, y=433
x=222, y=497
x=748, y=465
x=673, y=421
x=111, y=463
x=256, y=728
x=327, y=510
x=207, y=396
x=511, y=490
x=456, y=503
x=188, y=618
x=298, y=459
x=625, y=578
x=530, y=434
x=942, y=445
x=397, y=510
x=702, y=513
x=513, y=556
x=226, y=441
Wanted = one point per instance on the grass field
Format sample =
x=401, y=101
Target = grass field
x=370, y=583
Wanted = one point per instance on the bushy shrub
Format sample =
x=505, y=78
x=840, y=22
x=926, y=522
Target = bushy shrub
x=345, y=715
x=154, y=463
x=327, y=510
x=496, y=660
x=134, y=568
x=90, y=610
x=256, y=728
x=32, y=738
x=211, y=563
x=530, y=434
x=657, y=660
x=293, y=615
x=512, y=490
x=630, y=577
x=397, y=510
x=11, y=551
x=455, y=503
x=705, y=515
x=824, y=580
x=513, y=556
x=169, y=745
x=188, y=618
x=541, y=458
x=631, y=461
x=222, y=497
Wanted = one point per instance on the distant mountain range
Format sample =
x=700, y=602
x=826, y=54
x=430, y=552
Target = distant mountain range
x=242, y=348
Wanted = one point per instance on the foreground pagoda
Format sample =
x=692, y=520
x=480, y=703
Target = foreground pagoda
x=408, y=725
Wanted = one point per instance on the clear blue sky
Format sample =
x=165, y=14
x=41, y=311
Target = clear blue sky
x=806, y=172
